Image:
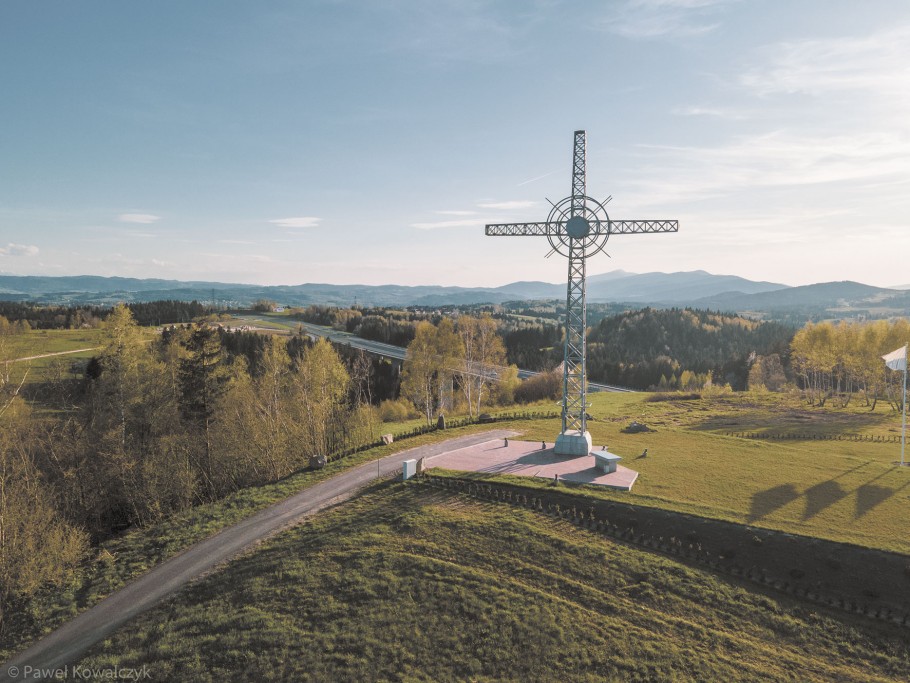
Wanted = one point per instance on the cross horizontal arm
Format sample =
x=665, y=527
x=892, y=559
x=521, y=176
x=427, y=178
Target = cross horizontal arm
x=556, y=228
x=642, y=227
x=525, y=229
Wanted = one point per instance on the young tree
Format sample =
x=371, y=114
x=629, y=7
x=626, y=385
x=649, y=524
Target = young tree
x=320, y=388
x=203, y=376
x=255, y=420
x=449, y=355
x=431, y=363
x=36, y=545
x=483, y=359
x=419, y=375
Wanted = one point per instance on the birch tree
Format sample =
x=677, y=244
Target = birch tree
x=484, y=356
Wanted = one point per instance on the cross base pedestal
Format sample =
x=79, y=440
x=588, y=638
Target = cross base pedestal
x=573, y=443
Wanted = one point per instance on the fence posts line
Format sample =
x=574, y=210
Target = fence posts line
x=690, y=551
x=869, y=438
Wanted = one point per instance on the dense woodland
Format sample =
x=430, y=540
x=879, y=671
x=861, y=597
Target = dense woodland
x=155, y=427
x=681, y=348
x=841, y=361
x=41, y=317
x=640, y=349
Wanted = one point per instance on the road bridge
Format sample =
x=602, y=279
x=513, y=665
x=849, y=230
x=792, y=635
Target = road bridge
x=388, y=351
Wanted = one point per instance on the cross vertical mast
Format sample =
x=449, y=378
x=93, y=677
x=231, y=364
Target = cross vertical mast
x=578, y=227
x=574, y=403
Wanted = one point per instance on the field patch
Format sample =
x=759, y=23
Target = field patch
x=406, y=583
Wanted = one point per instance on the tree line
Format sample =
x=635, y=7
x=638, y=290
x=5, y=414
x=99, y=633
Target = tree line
x=680, y=348
x=156, y=426
x=839, y=361
x=43, y=317
x=528, y=342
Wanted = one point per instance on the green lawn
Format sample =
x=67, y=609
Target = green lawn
x=38, y=342
x=840, y=490
x=407, y=583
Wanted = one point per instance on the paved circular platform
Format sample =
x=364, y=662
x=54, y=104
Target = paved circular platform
x=530, y=459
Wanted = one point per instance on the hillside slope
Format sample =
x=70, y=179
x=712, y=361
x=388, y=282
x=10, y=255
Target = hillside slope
x=407, y=583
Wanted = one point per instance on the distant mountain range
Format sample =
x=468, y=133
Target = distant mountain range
x=694, y=288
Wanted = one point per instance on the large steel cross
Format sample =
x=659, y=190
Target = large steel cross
x=577, y=227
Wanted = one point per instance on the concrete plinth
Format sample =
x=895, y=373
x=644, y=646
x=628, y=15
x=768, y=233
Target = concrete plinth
x=605, y=462
x=573, y=443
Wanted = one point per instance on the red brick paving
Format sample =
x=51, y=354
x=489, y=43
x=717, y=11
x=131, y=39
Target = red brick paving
x=528, y=459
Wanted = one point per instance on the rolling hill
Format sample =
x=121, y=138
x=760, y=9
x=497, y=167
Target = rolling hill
x=698, y=289
x=613, y=286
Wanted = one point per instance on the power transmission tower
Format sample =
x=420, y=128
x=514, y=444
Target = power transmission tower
x=578, y=227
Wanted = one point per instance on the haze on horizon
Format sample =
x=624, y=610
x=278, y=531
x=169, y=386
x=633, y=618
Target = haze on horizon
x=346, y=142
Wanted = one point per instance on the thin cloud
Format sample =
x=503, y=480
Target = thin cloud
x=12, y=249
x=508, y=206
x=874, y=63
x=771, y=160
x=534, y=180
x=642, y=19
x=472, y=218
x=296, y=222
x=143, y=218
x=713, y=112
x=448, y=224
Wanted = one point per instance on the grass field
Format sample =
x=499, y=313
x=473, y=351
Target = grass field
x=41, y=342
x=407, y=583
x=840, y=490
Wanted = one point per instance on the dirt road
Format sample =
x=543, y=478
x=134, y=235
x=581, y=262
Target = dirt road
x=68, y=643
x=56, y=353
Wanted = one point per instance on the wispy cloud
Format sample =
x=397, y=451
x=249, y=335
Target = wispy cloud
x=471, y=218
x=507, y=206
x=644, y=19
x=143, y=218
x=12, y=249
x=875, y=63
x=433, y=225
x=534, y=180
x=780, y=159
x=296, y=222
x=712, y=112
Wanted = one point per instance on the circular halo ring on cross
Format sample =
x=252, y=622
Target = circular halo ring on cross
x=578, y=227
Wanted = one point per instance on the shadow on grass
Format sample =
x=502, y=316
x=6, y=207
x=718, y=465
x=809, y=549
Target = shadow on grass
x=821, y=496
x=869, y=496
x=766, y=502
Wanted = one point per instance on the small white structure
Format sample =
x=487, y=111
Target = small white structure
x=408, y=469
x=605, y=461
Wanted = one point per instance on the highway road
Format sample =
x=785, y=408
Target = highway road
x=384, y=350
x=65, y=646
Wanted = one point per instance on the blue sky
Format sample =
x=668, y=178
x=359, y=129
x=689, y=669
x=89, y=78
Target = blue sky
x=369, y=142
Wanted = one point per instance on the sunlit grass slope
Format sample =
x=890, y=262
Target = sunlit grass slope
x=841, y=490
x=407, y=583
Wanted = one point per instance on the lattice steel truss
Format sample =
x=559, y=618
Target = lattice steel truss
x=578, y=227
